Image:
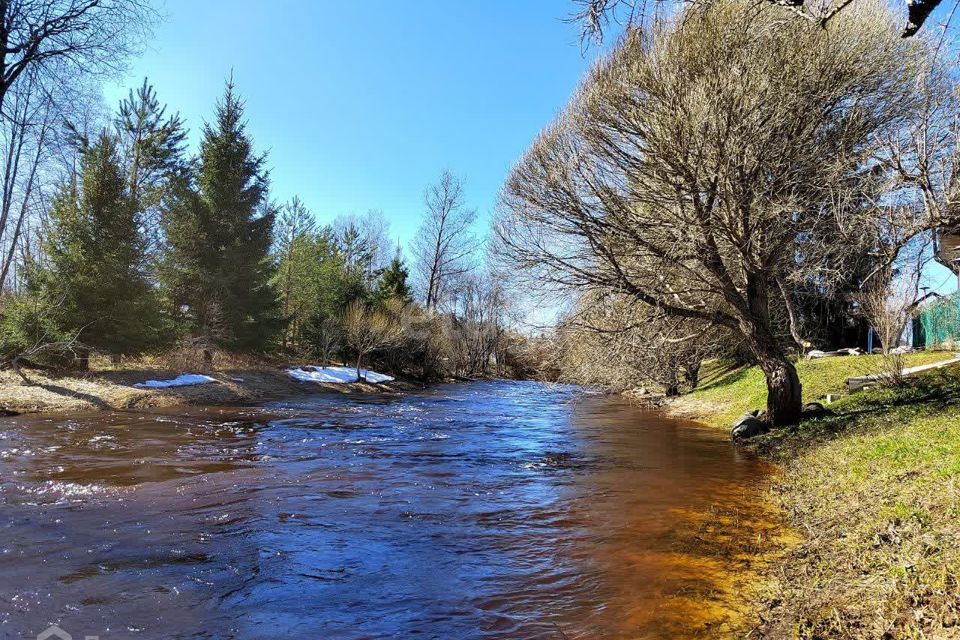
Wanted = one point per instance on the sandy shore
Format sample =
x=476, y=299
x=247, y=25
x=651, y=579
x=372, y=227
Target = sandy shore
x=46, y=392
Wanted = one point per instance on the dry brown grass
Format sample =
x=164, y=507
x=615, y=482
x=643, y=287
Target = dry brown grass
x=108, y=385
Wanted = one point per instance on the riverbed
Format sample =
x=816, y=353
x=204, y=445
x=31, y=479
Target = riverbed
x=479, y=510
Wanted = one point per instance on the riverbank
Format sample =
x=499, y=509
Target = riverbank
x=873, y=491
x=108, y=387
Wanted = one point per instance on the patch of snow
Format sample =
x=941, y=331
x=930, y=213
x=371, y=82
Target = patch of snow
x=183, y=380
x=336, y=375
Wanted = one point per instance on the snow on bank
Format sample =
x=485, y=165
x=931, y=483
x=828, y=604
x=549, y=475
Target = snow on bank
x=336, y=375
x=183, y=380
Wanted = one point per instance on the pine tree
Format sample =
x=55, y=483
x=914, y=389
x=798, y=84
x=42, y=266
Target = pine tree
x=219, y=228
x=152, y=150
x=95, y=275
x=152, y=143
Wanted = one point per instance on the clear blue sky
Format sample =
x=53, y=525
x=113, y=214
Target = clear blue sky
x=361, y=104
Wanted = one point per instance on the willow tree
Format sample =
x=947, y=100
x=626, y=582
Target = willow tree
x=698, y=154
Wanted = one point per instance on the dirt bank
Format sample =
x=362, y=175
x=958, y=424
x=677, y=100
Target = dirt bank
x=114, y=389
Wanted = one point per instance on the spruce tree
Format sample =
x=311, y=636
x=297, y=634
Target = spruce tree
x=393, y=282
x=219, y=228
x=95, y=276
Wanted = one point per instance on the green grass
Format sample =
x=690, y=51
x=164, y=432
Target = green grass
x=875, y=491
x=726, y=393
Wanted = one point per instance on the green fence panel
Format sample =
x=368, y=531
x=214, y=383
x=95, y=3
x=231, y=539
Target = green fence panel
x=939, y=323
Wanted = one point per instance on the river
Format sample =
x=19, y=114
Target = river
x=479, y=510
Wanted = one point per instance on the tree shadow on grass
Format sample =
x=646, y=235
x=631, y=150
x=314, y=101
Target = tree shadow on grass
x=724, y=378
x=70, y=393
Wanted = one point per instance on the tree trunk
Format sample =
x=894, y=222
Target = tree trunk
x=83, y=359
x=784, y=399
x=692, y=374
x=671, y=387
x=792, y=317
x=359, y=358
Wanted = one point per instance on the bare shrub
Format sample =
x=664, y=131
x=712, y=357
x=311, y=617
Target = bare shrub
x=888, y=302
x=365, y=330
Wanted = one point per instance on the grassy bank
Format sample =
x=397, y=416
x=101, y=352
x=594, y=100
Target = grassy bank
x=726, y=393
x=873, y=492
x=108, y=386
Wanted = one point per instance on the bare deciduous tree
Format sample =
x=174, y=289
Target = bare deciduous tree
x=444, y=244
x=476, y=324
x=57, y=37
x=613, y=341
x=50, y=52
x=697, y=156
x=889, y=300
x=365, y=330
x=595, y=16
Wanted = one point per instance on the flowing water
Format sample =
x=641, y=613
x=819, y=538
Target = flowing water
x=479, y=510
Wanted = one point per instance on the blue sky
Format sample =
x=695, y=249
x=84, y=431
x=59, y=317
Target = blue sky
x=361, y=104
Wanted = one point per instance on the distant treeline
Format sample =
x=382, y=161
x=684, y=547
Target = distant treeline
x=116, y=240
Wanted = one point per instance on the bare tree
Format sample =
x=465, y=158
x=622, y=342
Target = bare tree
x=50, y=52
x=59, y=37
x=476, y=324
x=37, y=153
x=698, y=156
x=612, y=341
x=888, y=302
x=27, y=131
x=444, y=244
x=326, y=335
x=596, y=16
x=365, y=330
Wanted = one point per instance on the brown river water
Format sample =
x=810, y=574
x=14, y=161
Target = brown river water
x=479, y=510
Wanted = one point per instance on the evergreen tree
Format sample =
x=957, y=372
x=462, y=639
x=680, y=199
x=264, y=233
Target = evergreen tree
x=152, y=144
x=295, y=231
x=219, y=229
x=152, y=150
x=95, y=275
x=355, y=249
x=393, y=282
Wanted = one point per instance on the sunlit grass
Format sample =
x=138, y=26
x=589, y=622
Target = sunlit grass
x=875, y=489
x=874, y=492
x=726, y=392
